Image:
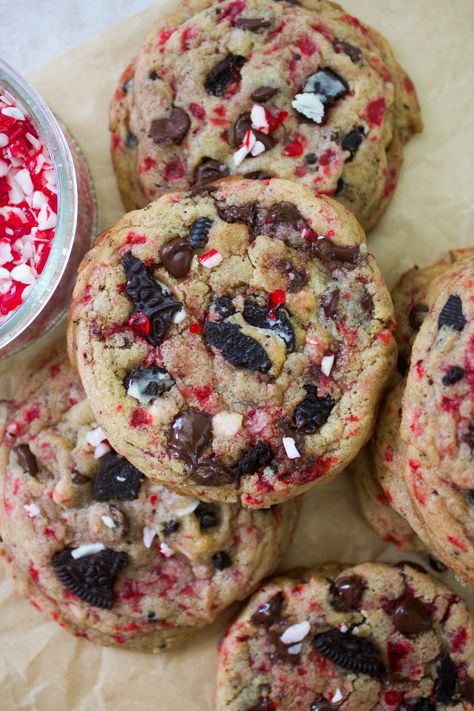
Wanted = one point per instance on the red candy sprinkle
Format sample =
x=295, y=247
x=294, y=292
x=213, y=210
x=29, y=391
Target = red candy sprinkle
x=139, y=323
x=275, y=299
x=195, y=327
x=293, y=149
x=28, y=206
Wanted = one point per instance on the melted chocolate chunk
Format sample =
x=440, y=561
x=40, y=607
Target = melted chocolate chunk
x=191, y=432
x=343, y=47
x=223, y=306
x=352, y=141
x=281, y=650
x=26, y=459
x=150, y=298
x=90, y=577
x=172, y=129
x=254, y=458
x=417, y=315
x=232, y=214
x=333, y=255
x=447, y=681
x=328, y=85
x=221, y=560
x=357, y=654
x=452, y=315
x=346, y=593
x=208, y=171
x=237, y=348
x=252, y=24
x=131, y=140
x=224, y=73
x=207, y=515
x=313, y=411
x=170, y=527
x=263, y=94
x=286, y=213
x=321, y=704
x=280, y=324
x=199, y=232
x=453, y=375
x=436, y=564
x=329, y=302
x=244, y=124
x=147, y=384
x=176, y=257
x=269, y=612
x=411, y=616
x=116, y=479
x=212, y=472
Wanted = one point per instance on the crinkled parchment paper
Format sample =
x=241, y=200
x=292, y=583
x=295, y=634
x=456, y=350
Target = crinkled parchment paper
x=41, y=667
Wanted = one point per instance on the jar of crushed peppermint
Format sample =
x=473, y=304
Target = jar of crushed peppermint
x=48, y=214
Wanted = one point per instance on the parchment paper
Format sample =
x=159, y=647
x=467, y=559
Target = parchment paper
x=41, y=667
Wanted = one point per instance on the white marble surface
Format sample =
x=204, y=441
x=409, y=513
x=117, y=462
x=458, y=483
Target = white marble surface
x=34, y=31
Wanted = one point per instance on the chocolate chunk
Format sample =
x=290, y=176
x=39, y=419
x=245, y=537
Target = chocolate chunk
x=446, y=683
x=343, y=47
x=333, y=254
x=131, y=140
x=280, y=324
x=466, y=689
x=173, y=129
x=244, y=124
x=191, y=432
x=212, y=472
x=90, y=577
x=176, y=257
x=321, y=704
x=453, y=375
x=116, y=479
x=417, y=315
x=328, y=85
x=411, y=616
x=281, y=650
x=224, y=73
x=207, y=515
x=367, y=302
x=252, y=24
x=263, y=94
x=237, y=348
x=26, y=459
x=313, y=411
x=232, y=214
x=329, y=302
x=254, y=458
x=297, y=278
x=147, y=384
x=150, y=298
x=286, y=213
x=223, y=306
x=436, y=564
x=208, y=171
x=452, y=315
x=269, y=612
x=357, y=654
x=221, y=560
x=170, y=527
x=352, y=141
x=199, y=232
x=346, y=593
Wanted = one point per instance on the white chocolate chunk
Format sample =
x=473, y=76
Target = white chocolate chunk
x=327, y=363
x=148, y=536
x=290, y=448
x=296, y=633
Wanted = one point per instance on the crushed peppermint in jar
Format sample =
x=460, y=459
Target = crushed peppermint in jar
x=28, y=206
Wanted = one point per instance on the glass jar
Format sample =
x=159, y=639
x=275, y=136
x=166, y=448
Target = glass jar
x=76, y=223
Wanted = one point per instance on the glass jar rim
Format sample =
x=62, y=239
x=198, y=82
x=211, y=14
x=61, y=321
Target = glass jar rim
x=52, y=135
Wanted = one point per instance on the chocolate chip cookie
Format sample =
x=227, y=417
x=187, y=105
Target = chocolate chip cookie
x=234, y=343
x=264, y=88
x=367, y=637
x=108, y=554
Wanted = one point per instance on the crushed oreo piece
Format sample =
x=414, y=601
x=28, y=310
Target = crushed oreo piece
x=116, y=479
x=199, y=232
x=90, y=577
x=313, y=411
x=452, y=315
x=447, y=681
x=226, y=72
x=221, y=560
x=259, y=455
x=352, y=142
x=237, y=348
x=328, y=85
x=171, y=527
x=131, y=140
x=357, y=654
x=207, y=515
x=453, y=375
x=147, y=384
x=223, y=306
x=280, y=324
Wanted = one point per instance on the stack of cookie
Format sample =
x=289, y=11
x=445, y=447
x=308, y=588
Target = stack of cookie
x=415, y=480
x=229, y=344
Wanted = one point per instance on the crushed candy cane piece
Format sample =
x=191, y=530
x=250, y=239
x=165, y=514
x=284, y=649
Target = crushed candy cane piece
x=108, y=521
x=166, y=550
x=296, y=633
x=87, y=549
x=337, y=696
x=258, y=117
x=211, y=259
x=101, y=449
x=32, y=509
x=226, y=424
x=290, y=448
x=186, y=510
x=327, y=363
x=295, y=648
x=95, y=437
x=148, y=536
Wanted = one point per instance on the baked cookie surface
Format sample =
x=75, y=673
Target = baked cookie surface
x=258, y=87
x=234, y=343
x=360, y=638
x=105, y=552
